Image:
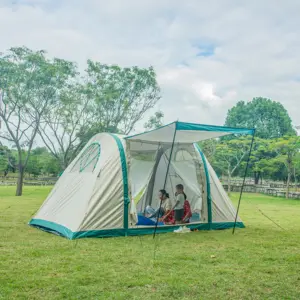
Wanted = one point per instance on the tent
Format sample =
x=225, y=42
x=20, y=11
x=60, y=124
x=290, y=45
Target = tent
x=107, y=186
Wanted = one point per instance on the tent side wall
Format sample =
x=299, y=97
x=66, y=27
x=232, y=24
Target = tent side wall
x=90, y=204
x=70, y=194
x=220, y=209
x=107, y=212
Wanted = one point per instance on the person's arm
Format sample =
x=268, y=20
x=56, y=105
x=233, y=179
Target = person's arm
x=168, y=211
x=177, y=202
x=186, y=217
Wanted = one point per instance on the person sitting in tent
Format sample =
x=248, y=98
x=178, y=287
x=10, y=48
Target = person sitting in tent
x=187, y=213
x=164, y=213
x=179, y=205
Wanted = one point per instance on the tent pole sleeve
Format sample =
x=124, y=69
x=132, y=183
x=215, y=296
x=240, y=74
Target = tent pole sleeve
x=244, y=179
x=166, y=178
x=125, y=181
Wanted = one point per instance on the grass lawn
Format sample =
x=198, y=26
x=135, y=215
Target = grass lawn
x=259, y=262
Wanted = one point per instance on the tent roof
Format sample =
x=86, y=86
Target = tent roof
x=186, y=133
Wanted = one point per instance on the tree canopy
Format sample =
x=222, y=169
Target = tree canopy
x=121, y=95
x=229, y=155
x=50, y=101
x=30, y=84
x=155, y=121
x=270, y=118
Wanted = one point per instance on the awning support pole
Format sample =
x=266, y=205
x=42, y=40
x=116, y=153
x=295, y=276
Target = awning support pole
x=244, y=179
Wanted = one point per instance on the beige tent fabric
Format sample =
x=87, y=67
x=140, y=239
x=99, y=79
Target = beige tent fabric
x=222, y=207
x=89, y=200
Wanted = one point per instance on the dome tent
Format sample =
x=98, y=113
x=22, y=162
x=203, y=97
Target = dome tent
x=110, y=182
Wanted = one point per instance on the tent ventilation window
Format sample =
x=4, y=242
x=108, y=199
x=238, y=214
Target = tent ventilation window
x=88, y=160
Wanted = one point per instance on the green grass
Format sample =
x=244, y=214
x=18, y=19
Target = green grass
x=259, y=262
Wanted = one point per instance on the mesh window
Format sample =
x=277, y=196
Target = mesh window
x=88, y=160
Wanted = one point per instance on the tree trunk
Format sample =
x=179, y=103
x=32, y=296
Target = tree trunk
x=20, y=180
x=256, y=177
x=288, y=185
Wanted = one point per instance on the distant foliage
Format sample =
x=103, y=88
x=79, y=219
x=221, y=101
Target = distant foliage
x=155, y=121
x=270, y=118
x=48, y=100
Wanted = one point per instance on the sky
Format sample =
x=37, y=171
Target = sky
x=207, y=54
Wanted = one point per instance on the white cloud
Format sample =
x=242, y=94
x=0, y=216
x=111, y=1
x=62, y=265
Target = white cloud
x=256, y=46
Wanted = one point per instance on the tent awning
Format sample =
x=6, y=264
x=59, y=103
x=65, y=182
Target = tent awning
x=186, y=133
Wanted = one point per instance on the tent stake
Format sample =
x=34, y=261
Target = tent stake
x=242, y=188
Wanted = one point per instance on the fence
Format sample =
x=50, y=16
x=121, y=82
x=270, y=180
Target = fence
x=28, y=181
x=267, y=190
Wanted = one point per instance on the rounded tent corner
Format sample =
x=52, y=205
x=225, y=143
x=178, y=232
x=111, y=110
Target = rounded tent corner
x=52, y=227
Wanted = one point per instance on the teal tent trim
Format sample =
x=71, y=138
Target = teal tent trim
x=208, y=192
x=125, y=180
x=67, y=233
x=182, y=126
x=201, y=127
x=52, y=227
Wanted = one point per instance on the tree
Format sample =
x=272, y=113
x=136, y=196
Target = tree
x=155, y=121
x=270, y=118
x=229, y=155
x=7, y=160
x=296, y=167
x=209, y=148
x=63, y=125
x=42, y=162
x=35, y=162
x=287, y=149
x=274, y=169
x=121, y=96
x=51, y=166
x=34, y=167
x=3, y=158
x=259, y=158
x=30, y=85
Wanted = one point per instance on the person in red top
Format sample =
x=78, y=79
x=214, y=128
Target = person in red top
x=169, y=218
x=187, y=212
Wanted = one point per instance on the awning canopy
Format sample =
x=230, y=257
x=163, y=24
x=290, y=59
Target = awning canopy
x=186, y=133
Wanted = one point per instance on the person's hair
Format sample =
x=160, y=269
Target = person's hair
x=180, y=187
x=164, y=193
